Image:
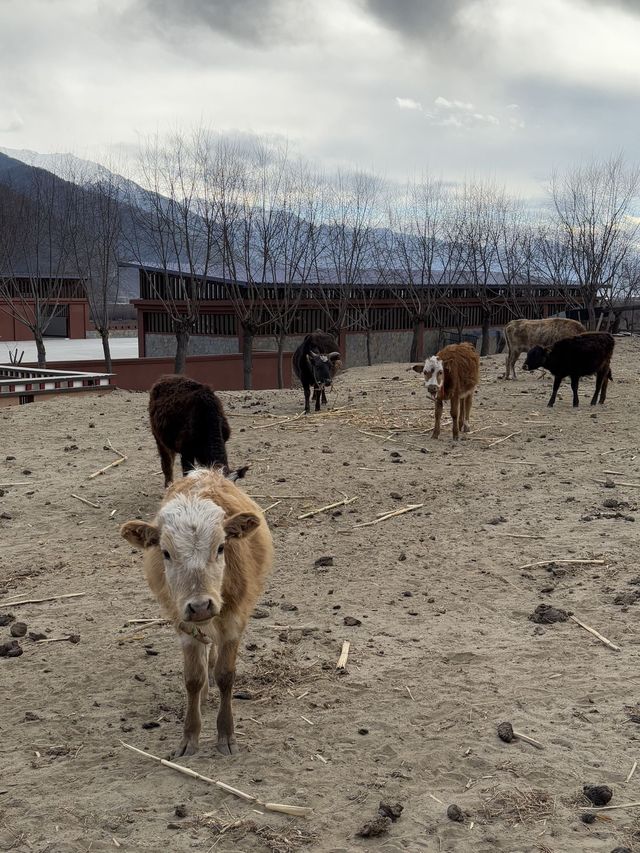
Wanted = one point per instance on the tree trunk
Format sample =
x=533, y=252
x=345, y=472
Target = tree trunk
x=414, y=354
x=106, y=349
x=486, y=337
x=591, y=313
x=281, y=361
x=42, y=353
x=368, y=340
x=182, y=345
x=247, y=357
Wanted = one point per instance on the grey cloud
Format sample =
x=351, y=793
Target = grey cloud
x=249, y=22
x=418, y=19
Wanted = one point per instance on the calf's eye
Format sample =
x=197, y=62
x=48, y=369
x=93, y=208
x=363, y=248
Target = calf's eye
x=220, y=549
x=166, y=555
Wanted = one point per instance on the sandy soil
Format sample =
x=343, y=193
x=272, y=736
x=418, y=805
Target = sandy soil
x=443, y=652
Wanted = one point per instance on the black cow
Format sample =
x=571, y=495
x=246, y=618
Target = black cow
x=315, y=363
x=582, y=355
x=187, y=418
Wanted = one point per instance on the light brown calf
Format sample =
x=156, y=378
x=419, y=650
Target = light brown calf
x=452, y=374
x=523, y=335
x=206, y=557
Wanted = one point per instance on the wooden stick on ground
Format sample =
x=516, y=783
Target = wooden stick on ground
x=344, y=654
x=620, y=483
x=595, y=634
x=500, y=440
x=563, y=562
x=146, y=621
x=311, y=512
x=388, y=515
x=617, y=450
x=282, y=421
x=609, y=808
x=7, y=485
x=515, y=535
x=297, y=811
x=106, y=467
x=40, y=600
x=119, y=452
x=631, y=772
x=85, y=501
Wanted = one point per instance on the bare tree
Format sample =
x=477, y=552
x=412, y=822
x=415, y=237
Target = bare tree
x=175, y=226
x=95, y=239
x=482, y=204
x=346, y=256
x=34, y=251
x=592, y=205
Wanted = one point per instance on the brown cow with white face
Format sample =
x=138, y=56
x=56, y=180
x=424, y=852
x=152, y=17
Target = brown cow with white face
x=206, y=556
x=452, y=374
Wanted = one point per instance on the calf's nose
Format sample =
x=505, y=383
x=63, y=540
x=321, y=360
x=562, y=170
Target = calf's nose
x=200, y=609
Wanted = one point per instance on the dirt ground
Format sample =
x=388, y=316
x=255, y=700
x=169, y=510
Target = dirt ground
x=443, y=649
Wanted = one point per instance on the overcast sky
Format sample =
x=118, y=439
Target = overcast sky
x=502, y=88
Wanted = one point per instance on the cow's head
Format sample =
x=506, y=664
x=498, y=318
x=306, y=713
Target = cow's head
x=191, y=534
x=323, y=367
x=536, y=357
x=433, y=371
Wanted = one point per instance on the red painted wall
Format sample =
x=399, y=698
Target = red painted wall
x=221, y=372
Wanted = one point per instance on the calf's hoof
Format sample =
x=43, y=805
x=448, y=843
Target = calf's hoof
x=227, y=745
x=187, y=746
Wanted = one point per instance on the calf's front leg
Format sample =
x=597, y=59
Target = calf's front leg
x=225, y=673
x=556, y=384
x=438, y=416
x=307, y=395
x=195, y=656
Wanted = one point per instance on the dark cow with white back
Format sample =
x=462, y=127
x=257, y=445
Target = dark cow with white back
x=315, y=363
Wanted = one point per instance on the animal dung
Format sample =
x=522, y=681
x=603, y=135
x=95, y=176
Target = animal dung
x=10, y=649
x=454, y=812
x=390, y=810
x=546, y=614
x=599, y=795
x=18, y=629
x=505, y=732
x=352, y=621
x=374, y=828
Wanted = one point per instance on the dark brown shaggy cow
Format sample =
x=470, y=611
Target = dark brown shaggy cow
x=187, y=418
x=452, y=374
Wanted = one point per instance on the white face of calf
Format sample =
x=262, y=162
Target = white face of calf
x=433, y=372
x=191, y=533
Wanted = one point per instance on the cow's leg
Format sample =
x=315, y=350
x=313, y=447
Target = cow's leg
x=187, y=460
x=166, y=460
x=324, y=397
x=466, y=408
x=438, y=416
x=575, y=382
x=455, y=408
x=195, y=680
x=511, y=360
x=599, y=378
x=556, y=384
x=605, y=381
x=316, y=396
x=225, y=673
x=307, y=394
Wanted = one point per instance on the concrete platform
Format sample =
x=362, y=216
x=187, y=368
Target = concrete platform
x=65, y=349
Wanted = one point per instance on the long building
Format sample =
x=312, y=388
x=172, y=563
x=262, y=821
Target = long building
x=368, y=310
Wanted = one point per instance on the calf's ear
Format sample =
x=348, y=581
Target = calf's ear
x=418, y=368
x=239, y=525
x=140, y=534
x=334, y=356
